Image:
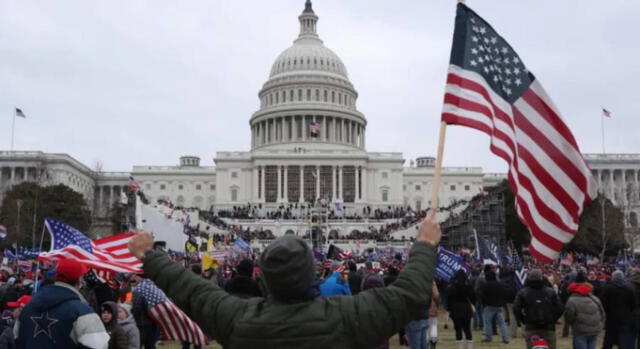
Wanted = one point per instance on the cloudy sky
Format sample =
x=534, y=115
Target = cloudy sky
x=143, y=82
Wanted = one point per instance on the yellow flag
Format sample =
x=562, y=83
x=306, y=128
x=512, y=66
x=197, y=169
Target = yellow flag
x=210, y=243
x=207, y=261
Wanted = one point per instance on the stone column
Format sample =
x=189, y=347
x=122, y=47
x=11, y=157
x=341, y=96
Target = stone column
x=333, y=183
x=262, y=182
x=623, y=192
x=285, y=129
x=255, y=183
x=303, y=127
x=323, y=132
x=611, y=186
x=364, y=188
x=285, y=195
x=340, y=190
x=279, y=186
x=343, y=139
x=13, y=174
x=599, y=175
x=335, y=129
x=364, y=144
x=301, y=183
x=357, y=180
x=317, y=182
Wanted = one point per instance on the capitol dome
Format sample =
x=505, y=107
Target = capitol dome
x=308, y=97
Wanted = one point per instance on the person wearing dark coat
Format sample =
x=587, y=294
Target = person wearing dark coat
x=618, y=301
x=243, y=285
x=460, y=298
x=538, y=307
x=294, y=315
x=354, y=278
x=493, y=300
x=109, y=315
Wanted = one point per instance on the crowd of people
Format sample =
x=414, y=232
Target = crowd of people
x=69, y=306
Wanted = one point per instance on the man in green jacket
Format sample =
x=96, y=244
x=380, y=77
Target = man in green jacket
x=293, y=315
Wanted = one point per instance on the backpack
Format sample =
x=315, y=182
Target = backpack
x=539, y=310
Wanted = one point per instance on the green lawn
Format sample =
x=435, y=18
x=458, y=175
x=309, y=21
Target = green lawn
x=447, y=340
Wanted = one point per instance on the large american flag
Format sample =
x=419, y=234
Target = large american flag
x=110, y=254
x=490, y=89
x=176, y=325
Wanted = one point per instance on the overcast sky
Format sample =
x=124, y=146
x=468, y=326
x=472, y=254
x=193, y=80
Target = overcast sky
x=143, y=82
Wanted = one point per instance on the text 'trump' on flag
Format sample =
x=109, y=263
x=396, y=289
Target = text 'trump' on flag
x=490, y=89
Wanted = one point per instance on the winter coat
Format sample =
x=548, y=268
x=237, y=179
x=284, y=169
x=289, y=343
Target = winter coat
x=493, y=294
x=7, y=340
x=361, y=321
x=634, y=283
x=526, y=302
x=335, y=285
x=243, y=287
x=129, y=327
x=118, y=339
x=58, y=317
x=459, y=300
x=619, y=302
x=355, y=279
x=583, y=310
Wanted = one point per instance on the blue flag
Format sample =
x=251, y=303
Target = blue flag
x=448, y=264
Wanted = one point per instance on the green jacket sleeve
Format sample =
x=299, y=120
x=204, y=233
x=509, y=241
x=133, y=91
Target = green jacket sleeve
x=374, y=315
x=213, y=309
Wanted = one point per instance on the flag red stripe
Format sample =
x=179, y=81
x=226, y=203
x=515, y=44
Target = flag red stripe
x=550, y=116
x=471, y=85
x=547, y=146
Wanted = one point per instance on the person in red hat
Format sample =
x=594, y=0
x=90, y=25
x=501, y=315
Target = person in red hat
x=58, y=316
x=7, y=340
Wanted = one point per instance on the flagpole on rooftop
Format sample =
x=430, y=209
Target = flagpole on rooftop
x=603, y=148
x=13, y=126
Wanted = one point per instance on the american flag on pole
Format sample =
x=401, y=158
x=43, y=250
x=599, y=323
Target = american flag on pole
x=107, y=254
x=490, y=89
x=20, y=113
x=315, y=128
x=606, y=113
x=175, y=323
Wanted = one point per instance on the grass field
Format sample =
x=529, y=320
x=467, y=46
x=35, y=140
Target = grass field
x=447, y=340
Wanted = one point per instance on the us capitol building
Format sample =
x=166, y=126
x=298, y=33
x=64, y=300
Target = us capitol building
x=308, y=142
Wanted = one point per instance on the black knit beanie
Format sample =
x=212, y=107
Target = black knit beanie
x=288, y=268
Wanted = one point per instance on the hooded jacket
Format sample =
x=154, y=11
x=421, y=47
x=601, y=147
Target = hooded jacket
x=129, y=327
x=619, y=302
x=118, y=337
x=360, y=321
x=526, y=301
x=335, y=285
x=58, y=317
x=583, y=310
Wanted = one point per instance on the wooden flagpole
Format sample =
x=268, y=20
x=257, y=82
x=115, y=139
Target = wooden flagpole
x=435, y=189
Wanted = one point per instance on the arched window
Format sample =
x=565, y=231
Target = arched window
x=277, y=98
x=339, y=98
x=291, y=96
x=318, y=95
x=299, y=95
x=308, y=94
x=271, y=99
x=325, y=95
x=284, y=96
x=333, y=96
x=234, y=194
x=315, y=61
x=295, y=61
x=321, y=61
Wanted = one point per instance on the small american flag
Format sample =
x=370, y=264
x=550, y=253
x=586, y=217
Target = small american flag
x=490, y=89
x=176, y=325
x=345, y=255
x=20, y=113
x=606, y=113
x=109, y=254
x=315, y=128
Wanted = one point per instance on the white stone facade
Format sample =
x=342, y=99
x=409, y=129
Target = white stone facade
x=308, y=142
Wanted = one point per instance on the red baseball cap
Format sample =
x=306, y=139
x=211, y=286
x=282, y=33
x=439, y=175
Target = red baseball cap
x=22, y=301
x=70, y=270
